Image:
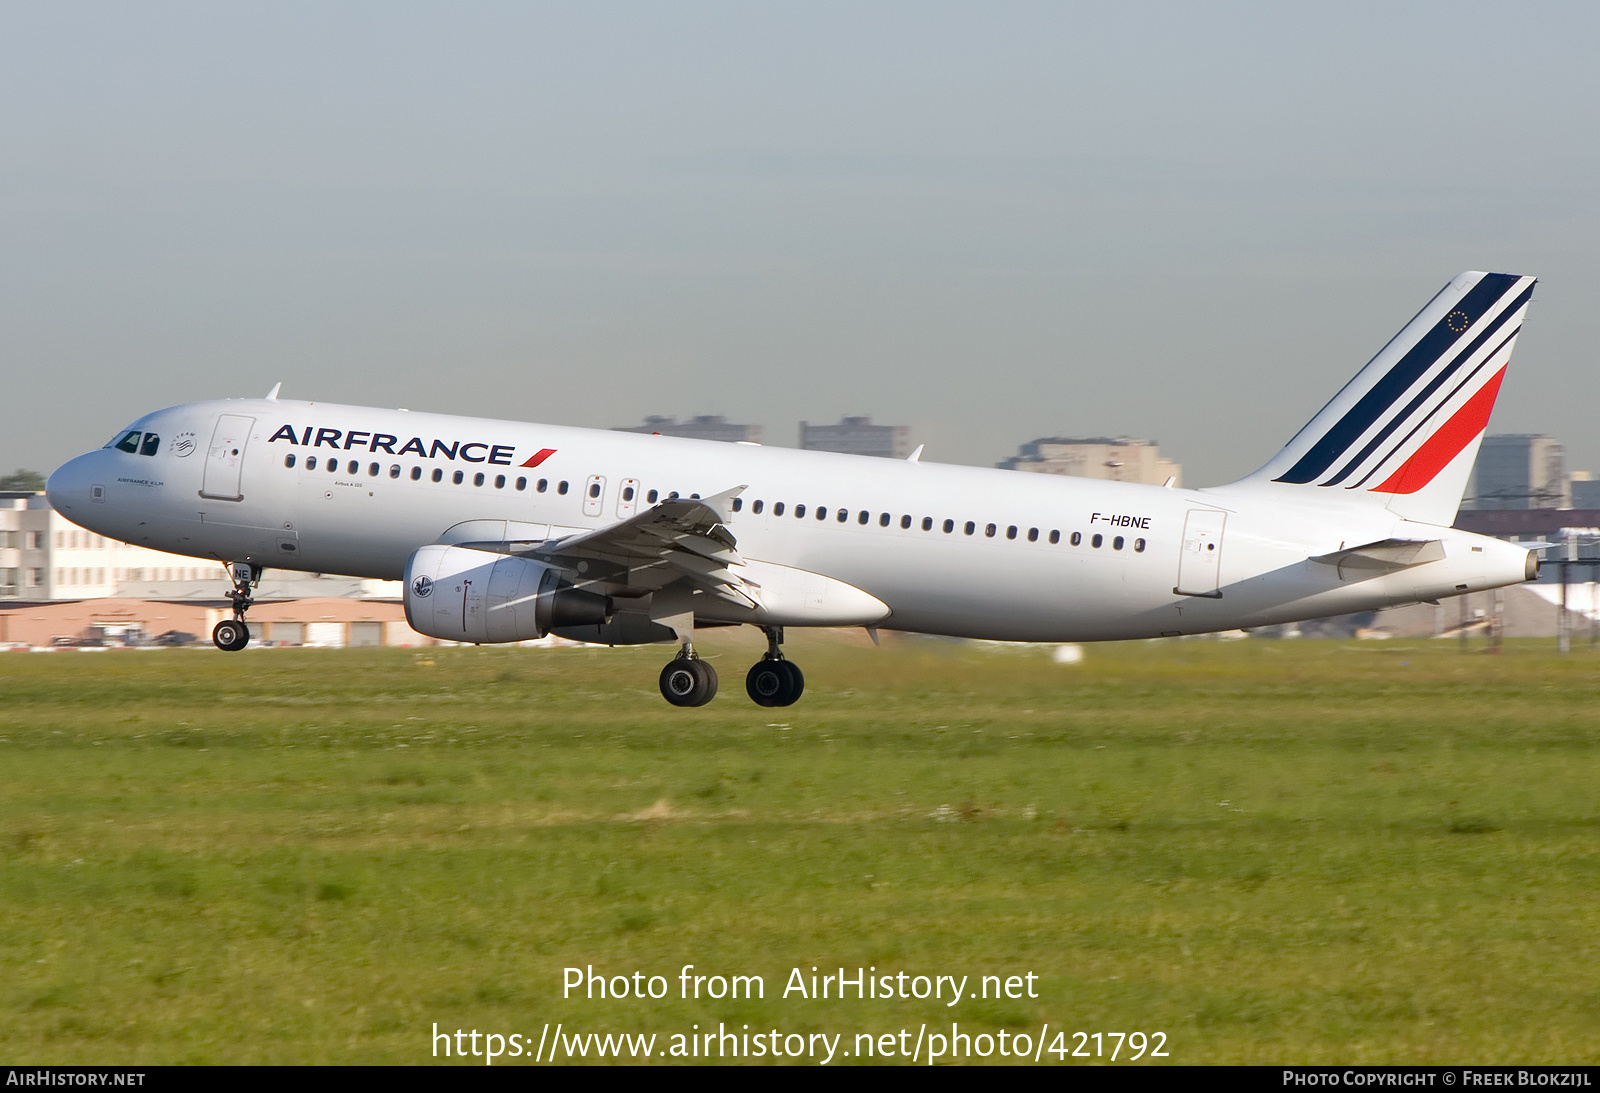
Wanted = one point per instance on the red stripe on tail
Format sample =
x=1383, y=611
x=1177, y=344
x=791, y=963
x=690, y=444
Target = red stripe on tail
x=1443, y=446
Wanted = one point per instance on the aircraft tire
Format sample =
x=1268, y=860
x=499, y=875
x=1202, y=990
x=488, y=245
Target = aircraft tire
x=775, y=683
x=230, y=635
x=688, y=682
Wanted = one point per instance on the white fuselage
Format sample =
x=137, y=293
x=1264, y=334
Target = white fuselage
x=1026, y=557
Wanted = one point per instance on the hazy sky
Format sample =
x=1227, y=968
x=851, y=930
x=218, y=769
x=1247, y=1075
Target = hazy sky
x=988, y=221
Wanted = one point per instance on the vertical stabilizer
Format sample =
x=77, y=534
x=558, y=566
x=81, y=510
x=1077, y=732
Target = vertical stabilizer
x=1406, y=430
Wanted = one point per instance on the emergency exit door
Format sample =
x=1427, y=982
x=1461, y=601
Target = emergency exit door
x=225, y=458
x=1200, y=560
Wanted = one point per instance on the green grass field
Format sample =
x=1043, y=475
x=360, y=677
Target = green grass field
x=1270, y=851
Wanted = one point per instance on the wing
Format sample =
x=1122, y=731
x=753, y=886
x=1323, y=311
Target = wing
x=682, y=538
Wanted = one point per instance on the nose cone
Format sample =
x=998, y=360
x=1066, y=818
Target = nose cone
x=69, y=487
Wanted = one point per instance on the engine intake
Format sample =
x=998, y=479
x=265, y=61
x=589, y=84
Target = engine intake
x=461, y=594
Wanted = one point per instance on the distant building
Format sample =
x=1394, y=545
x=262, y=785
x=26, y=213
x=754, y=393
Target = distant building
x=45, y=556
x=857, y=436
x=699, y=427
x=1118, y=459
x=1524, y=471
x=1583, y=490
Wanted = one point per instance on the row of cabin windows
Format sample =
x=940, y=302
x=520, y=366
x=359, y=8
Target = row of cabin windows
x=863, y=517
x=458, y=477
x=841, y=516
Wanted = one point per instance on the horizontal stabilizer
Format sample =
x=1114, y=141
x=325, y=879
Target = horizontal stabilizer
x=1385, y=555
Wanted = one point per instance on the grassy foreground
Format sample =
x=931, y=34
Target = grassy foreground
x=1270, y=851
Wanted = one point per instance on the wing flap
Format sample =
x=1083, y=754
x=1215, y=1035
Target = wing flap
x=681, y=537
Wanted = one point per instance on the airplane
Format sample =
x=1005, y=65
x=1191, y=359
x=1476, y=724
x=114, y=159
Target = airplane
x=504, y=531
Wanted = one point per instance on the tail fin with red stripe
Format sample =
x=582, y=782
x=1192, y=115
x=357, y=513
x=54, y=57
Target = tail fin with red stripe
x=1406, y=430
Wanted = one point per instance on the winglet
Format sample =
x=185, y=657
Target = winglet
x=916, y=456
x=272, y=395
x=721, y=503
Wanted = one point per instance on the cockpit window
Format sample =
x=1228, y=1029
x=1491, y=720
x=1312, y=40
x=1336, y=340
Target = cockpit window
x=151, y=443
x=129, y=443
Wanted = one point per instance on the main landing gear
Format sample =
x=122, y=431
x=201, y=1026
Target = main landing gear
x=688, y=680
x=231, y=635
x=773, y=681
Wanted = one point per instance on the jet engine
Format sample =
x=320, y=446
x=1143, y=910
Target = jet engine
x=461, y=594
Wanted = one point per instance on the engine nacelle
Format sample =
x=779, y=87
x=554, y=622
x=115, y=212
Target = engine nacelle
x=461, y=594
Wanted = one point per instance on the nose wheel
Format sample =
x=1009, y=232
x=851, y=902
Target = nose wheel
x=231, y=635
x=772, y=680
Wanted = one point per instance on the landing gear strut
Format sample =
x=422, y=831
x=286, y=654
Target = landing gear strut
x=231, y=635
x=774, y=681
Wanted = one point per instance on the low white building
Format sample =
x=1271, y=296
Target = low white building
x=45, y=556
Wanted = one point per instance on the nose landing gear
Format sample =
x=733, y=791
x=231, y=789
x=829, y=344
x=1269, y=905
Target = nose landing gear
x=231, y=635
x=774, y=681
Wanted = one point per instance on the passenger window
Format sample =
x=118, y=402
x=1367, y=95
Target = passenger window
x=477, y=479
x=777, y=508
x=544, y=484
x=649, y=497
x=863, y=516
x=129, y=444
x=458, y=477
x=355, y=468
x=522, y=484
x=1138, y=546
x=844, y=516
x=333, y=466
x=394, y=470
x=989, y=531
x=822, y=512
x=1033, y=535
x=151, y=443
x=905, y=522
x=799, y=512
x=949, y=526
x=416, y=474
x=1011, y=532
x=311, y=462
x=594, y=489
x=1116, y=544
x=561, y=488
x=372, y=470
x=1097, y=540
x=288, y=460
x=1055, y=537
x=927, y=523
x=1077, y=537
x=883, y=519
x=970, y=528
x=738, y=504
x=438, y=474
x=755, y=508
x=627, y=493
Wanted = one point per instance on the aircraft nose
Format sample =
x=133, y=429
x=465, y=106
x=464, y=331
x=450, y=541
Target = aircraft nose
x=69, y=488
